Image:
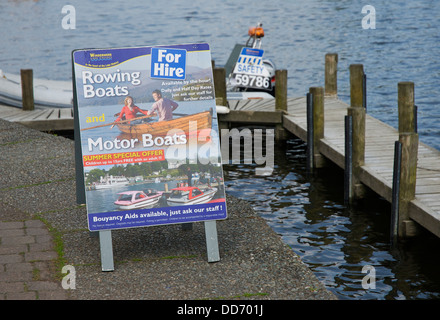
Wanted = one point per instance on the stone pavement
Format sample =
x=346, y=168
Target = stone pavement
x=26, y=262
x=37, y=184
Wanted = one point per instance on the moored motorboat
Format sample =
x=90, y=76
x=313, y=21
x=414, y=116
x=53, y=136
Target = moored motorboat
x=190, y=195
x=247, y=71
x=110, y=182
x=129, y=200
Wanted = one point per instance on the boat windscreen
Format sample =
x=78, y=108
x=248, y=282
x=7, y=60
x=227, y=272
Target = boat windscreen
x=125, y=197
x=178, y=194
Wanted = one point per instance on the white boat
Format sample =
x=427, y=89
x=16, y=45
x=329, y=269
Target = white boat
x=129, y=200
x=108, y=182
x=190, y=195
x=247, y=72
x=243, y=95
x=47, y=93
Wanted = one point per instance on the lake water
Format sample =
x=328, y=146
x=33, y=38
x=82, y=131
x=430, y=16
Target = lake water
x=334, y=241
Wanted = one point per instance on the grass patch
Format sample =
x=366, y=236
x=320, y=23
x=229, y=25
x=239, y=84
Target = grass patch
x=38, y=184
x=179, y=257
x=16, y=142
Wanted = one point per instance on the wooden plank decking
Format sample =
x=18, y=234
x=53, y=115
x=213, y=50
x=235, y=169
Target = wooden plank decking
x=377, y=172
x=47, y=119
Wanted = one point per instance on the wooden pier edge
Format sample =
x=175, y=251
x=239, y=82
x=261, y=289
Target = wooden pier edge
x=373, y=140
x=373, y=144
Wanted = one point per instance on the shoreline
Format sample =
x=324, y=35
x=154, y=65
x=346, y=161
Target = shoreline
x=157, y=263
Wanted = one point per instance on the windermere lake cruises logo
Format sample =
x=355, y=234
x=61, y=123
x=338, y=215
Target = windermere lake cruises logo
x=100, y=56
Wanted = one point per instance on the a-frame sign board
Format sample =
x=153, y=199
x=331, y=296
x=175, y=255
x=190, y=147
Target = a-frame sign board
x=146, y=140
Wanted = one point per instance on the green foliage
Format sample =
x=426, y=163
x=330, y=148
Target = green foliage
x=149, y=169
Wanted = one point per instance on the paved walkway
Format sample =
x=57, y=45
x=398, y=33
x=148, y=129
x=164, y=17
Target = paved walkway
x=26, y=262
x=37, y=183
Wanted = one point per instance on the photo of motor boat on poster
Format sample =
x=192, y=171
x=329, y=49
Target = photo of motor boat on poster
x=149, y=136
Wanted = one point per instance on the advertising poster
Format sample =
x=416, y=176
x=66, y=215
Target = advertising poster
x=149, y=136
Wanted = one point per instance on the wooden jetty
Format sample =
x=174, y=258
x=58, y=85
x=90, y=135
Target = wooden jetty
x=42, y=119
x=47, y=119
x=415, y=198
x=368, y=158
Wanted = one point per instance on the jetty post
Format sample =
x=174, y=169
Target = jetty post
x=310, y=147
x=220, y=86
x=409, y=139
x=331, y=74
x=317, y=121
x=27, y=89
x=219, y=80
x=280, y=101
x=394, y=225
x=357, y=112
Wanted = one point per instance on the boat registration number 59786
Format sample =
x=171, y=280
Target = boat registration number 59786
x=252, y=81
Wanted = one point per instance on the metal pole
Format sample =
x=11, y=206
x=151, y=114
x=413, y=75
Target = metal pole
x=348, y=173
x=396, y=191
x=106, y=246
x=364, y=91
x=310, y=147
x=212, y=241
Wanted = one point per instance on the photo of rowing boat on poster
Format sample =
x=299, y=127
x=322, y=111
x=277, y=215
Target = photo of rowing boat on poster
x=147, y=118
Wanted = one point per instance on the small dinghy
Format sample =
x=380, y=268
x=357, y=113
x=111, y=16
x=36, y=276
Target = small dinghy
x=47, y=93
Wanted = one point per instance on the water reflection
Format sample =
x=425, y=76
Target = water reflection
x=335, y=241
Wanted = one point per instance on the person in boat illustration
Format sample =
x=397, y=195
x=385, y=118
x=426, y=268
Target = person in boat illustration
x=129, y=110
x=164, y=107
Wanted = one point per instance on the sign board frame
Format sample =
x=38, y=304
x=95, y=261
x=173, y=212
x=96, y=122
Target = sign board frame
x=102, y=80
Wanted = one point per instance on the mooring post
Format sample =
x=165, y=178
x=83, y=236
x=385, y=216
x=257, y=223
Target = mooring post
x=409, y=139
x=220, y=92
x=331, y=74
x=357, y=112
x=280, y=101
x=394, y=225
x=281, y=90
x=348, y=170
x=220, y=86
x=406, y=107
x=310, y=148
x=27, y=89
x=318, y=124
